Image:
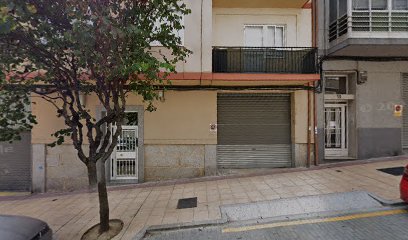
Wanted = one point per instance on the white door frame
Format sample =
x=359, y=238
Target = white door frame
x=129, y=159
x=342, y=151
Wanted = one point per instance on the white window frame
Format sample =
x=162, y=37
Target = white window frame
x=370, y=4
x=390, y=7
x=371, y=14
x=264, y=32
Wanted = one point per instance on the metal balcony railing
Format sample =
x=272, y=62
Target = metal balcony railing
x=369, y=21
x=264, y=60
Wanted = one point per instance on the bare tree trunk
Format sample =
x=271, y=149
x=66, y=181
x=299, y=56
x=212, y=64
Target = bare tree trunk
x=103, y=202
x=92, y=175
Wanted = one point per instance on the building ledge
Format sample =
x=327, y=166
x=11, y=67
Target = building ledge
x=371, y=47
x=249, y=77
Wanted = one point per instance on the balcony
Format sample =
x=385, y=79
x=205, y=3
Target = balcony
x=285, y=60
x=370, y=33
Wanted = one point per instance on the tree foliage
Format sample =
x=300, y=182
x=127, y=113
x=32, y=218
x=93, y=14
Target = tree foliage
x=61, y=50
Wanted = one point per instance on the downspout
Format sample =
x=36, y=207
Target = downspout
x=316, y=142
x=308, y=163
x=201, y=42
x=314, y=23
x=317, y=86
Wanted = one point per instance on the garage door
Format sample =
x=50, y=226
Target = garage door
x=254, y=131
x=15, y=165
x=405, y=111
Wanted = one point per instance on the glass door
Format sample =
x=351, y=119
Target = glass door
x=335, y=130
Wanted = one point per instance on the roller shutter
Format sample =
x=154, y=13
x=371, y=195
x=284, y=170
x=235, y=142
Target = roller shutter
x=404, y=89
x=15, y=164
x=254, y=131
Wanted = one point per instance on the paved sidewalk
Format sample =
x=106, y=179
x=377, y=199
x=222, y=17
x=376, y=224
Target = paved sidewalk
x=71, y=215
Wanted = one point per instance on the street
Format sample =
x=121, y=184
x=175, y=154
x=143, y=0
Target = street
x=387, y=224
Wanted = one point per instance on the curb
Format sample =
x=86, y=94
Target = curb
x=224, y=218
x=158, y=228
x=386, y=202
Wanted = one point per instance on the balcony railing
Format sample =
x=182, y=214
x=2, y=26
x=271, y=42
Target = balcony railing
x=264, y=60
x=369, y=21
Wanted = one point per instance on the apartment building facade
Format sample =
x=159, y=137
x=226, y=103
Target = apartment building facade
x=363, y=50
x=243, y=100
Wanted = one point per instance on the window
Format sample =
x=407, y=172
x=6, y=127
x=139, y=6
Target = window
x=338, y=8
x=379, y=4
x=361, y=4
x=264, y=36
x=333, y=11
x=336, y=85
x=400, y=4
x=342, y=8
x=370, y=4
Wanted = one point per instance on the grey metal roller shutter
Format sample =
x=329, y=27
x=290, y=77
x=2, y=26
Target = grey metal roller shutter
x=404, y=89
x=254, y=130
x=15, y=164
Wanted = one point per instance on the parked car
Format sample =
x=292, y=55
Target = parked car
x=23, y=228
x=404, y=185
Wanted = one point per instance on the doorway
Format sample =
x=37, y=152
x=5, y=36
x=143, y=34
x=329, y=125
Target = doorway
x=335, y=131
x=124, y=161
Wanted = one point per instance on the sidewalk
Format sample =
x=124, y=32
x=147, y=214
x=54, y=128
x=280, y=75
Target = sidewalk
x=70, y=215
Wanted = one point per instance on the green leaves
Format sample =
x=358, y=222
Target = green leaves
x=101, y=48
x=15, y=117
x=60, y=137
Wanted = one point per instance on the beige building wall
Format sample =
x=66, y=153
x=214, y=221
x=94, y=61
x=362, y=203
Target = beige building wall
x=183, y=118
x=197, y=37
x=177, y=137
x=228, y=24
x=206, y=27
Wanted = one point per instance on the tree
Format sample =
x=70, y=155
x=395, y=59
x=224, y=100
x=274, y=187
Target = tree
x=61, y=50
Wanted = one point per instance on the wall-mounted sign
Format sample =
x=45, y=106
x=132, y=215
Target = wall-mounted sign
x=398, y=110
x=213, y=127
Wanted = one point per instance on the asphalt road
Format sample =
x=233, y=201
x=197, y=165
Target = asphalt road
x=391, y=224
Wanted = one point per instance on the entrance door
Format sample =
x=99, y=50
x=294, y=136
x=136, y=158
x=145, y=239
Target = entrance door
x=336, y=130
x=124, y=161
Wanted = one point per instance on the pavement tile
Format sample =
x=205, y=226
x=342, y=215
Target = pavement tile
x=72, y=214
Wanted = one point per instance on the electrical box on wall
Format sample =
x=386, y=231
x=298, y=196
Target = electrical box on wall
x=362, y=77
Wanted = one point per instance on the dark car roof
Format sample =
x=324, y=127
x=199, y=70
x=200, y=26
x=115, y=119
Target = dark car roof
x=19, y=227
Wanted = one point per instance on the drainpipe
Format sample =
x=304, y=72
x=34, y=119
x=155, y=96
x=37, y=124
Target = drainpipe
x=308, y=163
x=201, y=42
x=316, y=142
x=315, y=27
